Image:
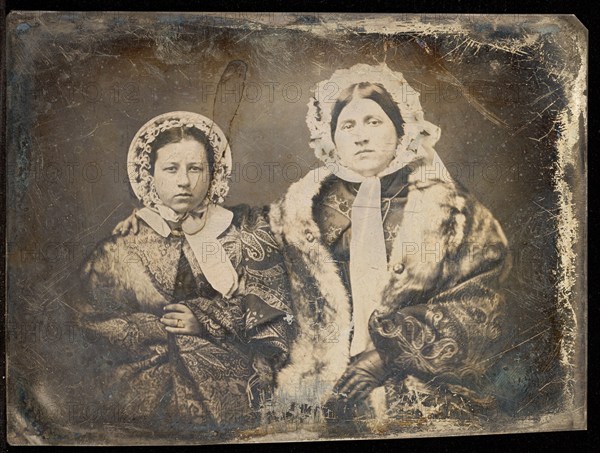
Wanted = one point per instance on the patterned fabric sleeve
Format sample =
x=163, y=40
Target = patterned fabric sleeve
x=451, y=336
x=109, y=310
x=266, y=288
x=218, y=318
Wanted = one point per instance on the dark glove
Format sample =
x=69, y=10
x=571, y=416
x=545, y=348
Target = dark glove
x=364, y=374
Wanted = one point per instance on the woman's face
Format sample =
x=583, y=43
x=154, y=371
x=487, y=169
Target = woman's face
x=181, y=175
x=365, y=137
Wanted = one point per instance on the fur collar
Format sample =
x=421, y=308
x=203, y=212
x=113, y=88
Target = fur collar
x=292, y=219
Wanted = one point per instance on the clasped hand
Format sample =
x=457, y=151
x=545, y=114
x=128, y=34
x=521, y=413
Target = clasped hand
x=179, y=319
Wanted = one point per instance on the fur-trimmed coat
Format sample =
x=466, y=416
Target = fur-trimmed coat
x=441, y=321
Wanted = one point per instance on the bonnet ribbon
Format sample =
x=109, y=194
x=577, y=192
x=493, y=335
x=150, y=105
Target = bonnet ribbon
x=368, y=258
x=201, y=229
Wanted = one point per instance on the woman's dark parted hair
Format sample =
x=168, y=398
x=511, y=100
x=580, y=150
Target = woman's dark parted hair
x=367, y=90
x=179, y=134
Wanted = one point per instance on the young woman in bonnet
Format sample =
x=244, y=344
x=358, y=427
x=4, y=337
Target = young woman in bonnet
x=394, y=266
x=189, y=312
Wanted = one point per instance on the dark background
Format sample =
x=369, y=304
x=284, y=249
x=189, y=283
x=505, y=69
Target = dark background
x=76, y=105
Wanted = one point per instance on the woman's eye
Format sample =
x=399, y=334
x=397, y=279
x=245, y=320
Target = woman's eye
x=170, y=169
x=197, y=169
x=374, y=122
x=346, y=126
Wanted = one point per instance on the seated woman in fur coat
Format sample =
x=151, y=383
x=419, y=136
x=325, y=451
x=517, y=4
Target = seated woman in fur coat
x=188, y=314
x=394, y=266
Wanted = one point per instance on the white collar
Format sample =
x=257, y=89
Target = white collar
x=215, y=220
x=212, y=258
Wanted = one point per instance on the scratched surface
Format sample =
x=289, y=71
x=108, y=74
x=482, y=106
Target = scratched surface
x=508, y=92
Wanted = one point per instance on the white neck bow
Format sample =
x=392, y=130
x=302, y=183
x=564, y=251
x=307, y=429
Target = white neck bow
x=201, y=229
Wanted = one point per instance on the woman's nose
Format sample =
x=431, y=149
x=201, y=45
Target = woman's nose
x=183, y=179
x=360, y=135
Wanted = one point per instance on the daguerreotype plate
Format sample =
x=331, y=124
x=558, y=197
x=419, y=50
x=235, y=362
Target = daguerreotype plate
x=262, y=227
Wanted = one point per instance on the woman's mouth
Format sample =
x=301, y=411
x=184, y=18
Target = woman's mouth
x=364, y=151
